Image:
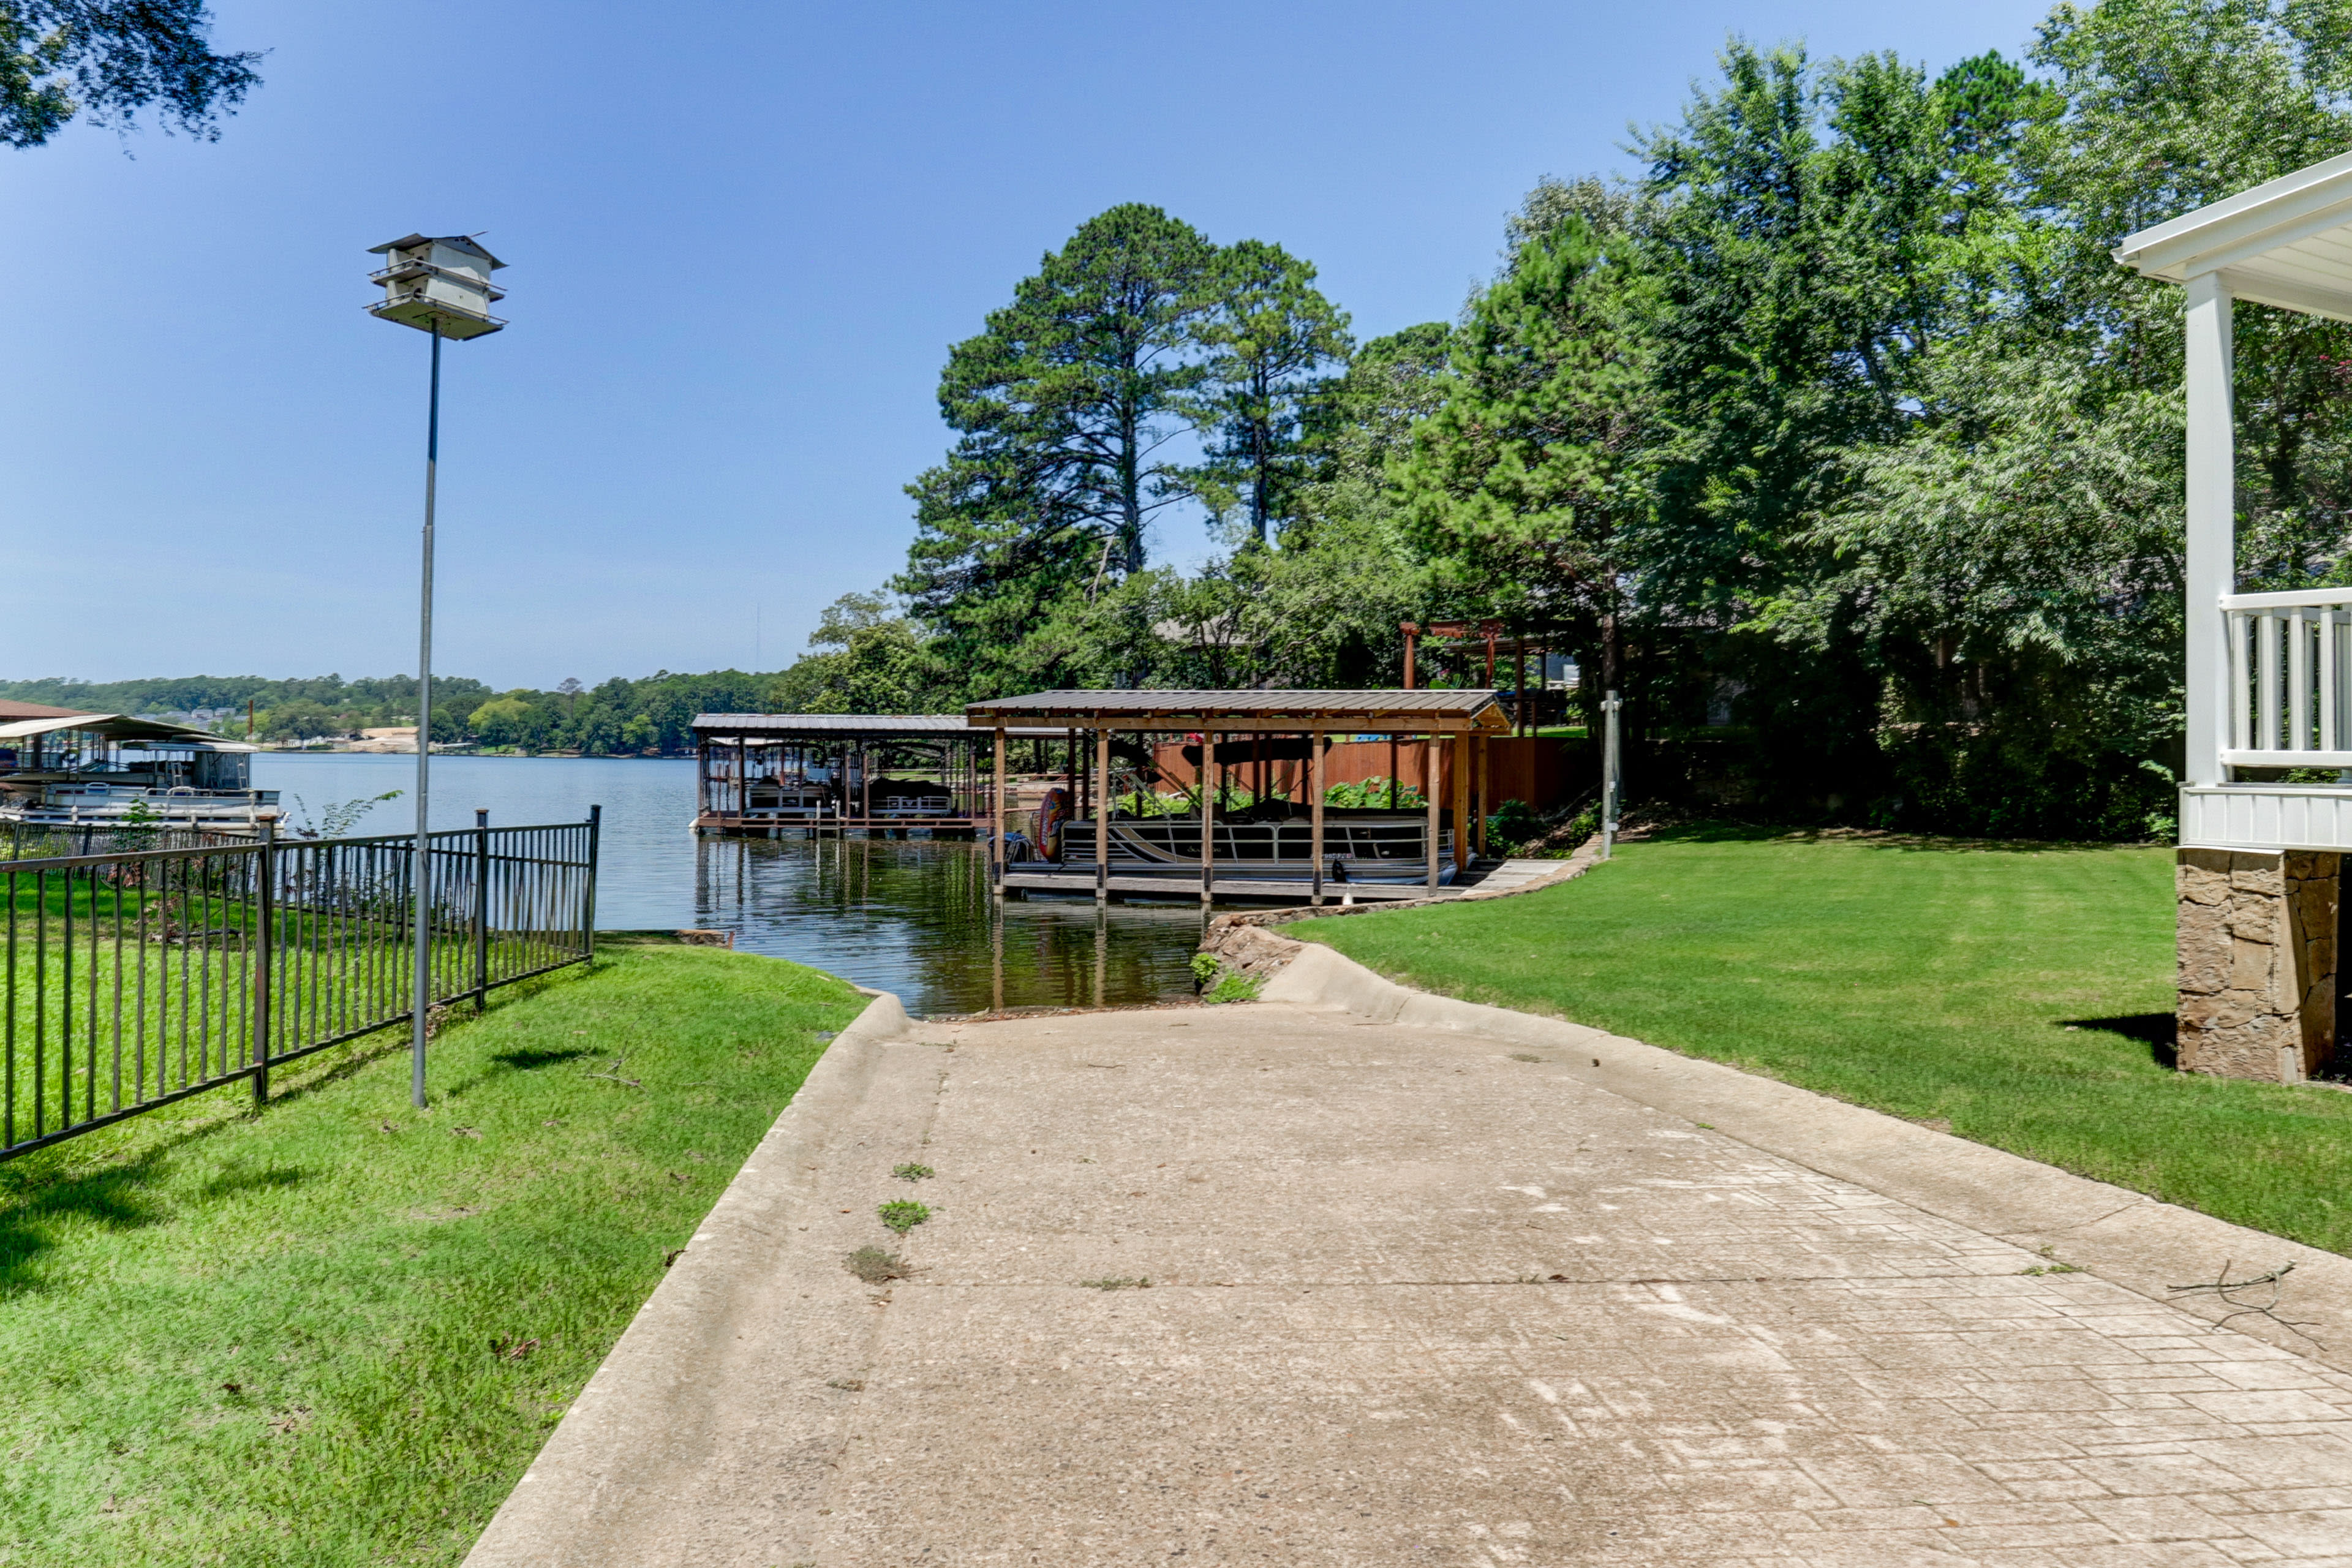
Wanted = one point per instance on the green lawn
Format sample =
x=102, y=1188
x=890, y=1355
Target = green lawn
x=2022, y=994
x=336, y=1333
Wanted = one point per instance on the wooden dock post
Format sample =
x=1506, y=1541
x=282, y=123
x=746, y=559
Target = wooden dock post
x=1316, y=749
x=996, y=816
x=1208, y=817
x=1429, y=798
x=1461, y=749
x=1485, y=804
x=1102, y=818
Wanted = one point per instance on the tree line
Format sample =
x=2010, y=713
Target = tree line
x=1838, y=420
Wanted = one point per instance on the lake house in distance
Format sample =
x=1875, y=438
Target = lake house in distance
x=63, y=769
x=2264, y=828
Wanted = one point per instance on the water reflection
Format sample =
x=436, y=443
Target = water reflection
x=916, y=917
x=907, y=917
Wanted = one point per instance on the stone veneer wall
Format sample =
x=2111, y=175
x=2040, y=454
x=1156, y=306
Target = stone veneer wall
x=2257, y=961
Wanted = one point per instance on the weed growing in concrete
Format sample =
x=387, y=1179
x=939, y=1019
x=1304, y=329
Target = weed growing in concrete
x=1122, y=1282
x=1525, y=1056
x=875, y=1266
x=2051, y=1269
x=912, y=1172
x=903, y=1215
x=1235, y=988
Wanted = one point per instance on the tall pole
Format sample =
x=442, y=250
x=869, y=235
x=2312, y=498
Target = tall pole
x=421, y=998
x=1613, y=776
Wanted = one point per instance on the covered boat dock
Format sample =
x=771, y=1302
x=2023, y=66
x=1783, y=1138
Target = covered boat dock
x=1118, y=833
x=773, y=776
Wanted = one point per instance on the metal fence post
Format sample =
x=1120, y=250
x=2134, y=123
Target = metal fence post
x=265, y=903
x=481, y=909
x=588, y=899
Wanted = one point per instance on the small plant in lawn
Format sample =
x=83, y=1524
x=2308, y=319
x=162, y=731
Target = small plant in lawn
x=875, y=1266
x=912, y=1172
x=903, y=1214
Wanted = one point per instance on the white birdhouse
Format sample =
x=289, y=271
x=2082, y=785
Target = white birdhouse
x=438, y=285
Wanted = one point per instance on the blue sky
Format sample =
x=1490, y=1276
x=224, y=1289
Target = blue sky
x=741, y=239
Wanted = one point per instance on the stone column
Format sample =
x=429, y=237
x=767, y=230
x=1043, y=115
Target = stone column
x=2257, y=961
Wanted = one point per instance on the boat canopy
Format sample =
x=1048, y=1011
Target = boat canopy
x=123, y=727
x=1406, y=712
x=790, y=727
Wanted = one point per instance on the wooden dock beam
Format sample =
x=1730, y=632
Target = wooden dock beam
x=996, y=816
x=1316, y=750
x=1102, y=816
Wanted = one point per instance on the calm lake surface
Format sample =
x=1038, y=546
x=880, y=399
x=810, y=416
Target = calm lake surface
x=908, y=917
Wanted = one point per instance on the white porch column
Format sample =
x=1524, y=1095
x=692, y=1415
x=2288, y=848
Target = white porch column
x=2212, y=507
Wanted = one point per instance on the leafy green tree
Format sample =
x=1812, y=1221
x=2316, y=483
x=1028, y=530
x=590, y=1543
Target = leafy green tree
x=1527, y=478
x=1066, y=408
x=868, y=658
x=2167, y=105
x=1274, y=344
x=110, y=59
x=1798, y=206
x=298, y=720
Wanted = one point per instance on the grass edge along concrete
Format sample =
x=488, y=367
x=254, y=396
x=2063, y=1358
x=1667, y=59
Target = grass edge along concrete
x=2020, y=995
x=339, y=1331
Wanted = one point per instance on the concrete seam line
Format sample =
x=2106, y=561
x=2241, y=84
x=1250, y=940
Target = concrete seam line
x=721, y=1261
x=2129, y=1240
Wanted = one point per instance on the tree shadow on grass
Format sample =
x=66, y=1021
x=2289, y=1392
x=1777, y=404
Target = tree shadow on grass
x=65, y=1181
x=525, y=1060
x=2160, y=1032
x=118, y=1197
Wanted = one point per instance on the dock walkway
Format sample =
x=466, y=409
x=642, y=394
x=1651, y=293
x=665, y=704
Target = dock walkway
x=1487, y=876
x=1413, y=1296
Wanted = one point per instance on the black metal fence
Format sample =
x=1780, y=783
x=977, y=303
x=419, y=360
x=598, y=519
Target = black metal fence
x=139, y=977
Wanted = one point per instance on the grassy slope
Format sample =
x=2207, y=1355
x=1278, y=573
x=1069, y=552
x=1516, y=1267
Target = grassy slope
x=1933, y=982
x=263, y=1342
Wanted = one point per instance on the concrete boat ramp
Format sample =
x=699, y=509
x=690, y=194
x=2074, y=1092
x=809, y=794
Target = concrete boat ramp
x=1428, y=1284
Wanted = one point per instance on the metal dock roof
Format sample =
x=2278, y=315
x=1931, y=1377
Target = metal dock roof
x=1409, y=712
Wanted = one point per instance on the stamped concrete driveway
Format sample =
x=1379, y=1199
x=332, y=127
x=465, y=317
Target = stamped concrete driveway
x=1413, y=1298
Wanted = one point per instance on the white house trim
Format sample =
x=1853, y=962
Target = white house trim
x=2269, y=675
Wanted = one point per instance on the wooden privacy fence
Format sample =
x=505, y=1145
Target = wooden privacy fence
x=136, y=978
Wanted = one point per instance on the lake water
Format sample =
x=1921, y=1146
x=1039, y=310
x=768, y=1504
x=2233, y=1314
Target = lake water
x=904, y=916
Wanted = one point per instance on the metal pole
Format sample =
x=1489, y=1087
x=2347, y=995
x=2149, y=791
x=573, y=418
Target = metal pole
x=1612, y=782
x=264, y=904
x=588, y=898
x=481, y=909
x=421, y=997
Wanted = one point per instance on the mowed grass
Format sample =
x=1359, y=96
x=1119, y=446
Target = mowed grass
x=336, y=1333
x=2022, y=994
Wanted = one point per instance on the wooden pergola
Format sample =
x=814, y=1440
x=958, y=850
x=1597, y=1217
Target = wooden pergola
x=1455, y=718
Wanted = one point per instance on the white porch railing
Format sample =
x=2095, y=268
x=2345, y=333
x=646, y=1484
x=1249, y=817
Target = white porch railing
x=2290, y=675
